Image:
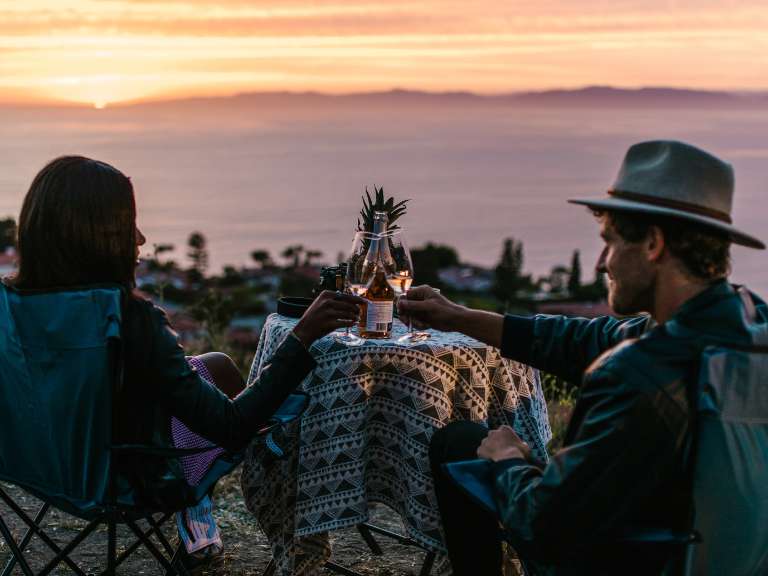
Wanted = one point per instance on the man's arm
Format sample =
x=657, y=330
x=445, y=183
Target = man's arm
x=563, y=346
x=622, y=451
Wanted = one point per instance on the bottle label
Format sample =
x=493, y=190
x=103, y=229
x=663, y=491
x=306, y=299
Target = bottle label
x=379, y=316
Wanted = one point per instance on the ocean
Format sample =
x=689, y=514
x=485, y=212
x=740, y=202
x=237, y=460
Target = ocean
x=252, y=174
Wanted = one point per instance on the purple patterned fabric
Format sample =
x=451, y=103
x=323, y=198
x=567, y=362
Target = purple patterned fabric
x=195, y=466
x=196, y=525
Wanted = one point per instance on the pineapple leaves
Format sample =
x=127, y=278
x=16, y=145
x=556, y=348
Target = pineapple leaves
x=378, y=203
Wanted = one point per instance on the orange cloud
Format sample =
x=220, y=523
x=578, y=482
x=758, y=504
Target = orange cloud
x=111, y=50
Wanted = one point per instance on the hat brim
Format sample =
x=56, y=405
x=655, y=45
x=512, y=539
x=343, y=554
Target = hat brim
x=622, y=205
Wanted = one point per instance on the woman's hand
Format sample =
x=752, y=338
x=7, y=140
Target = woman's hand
x=330, y=311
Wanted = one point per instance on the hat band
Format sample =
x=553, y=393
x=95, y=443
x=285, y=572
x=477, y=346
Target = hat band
x=676, y=204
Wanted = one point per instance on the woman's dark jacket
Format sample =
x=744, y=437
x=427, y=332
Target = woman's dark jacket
x=623, y=465
x=159, y=384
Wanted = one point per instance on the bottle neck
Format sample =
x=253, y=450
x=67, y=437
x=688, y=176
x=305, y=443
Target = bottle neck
x=379, y=226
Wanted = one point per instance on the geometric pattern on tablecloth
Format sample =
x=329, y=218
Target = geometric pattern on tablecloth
x=365, y=435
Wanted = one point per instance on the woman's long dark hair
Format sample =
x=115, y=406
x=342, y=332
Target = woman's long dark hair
x=77, y=226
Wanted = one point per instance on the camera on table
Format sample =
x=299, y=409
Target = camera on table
x=331, y=278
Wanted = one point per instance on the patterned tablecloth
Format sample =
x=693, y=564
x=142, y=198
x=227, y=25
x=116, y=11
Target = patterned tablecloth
x=366, y=434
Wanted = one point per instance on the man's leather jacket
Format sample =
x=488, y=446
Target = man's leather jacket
x=623, y=465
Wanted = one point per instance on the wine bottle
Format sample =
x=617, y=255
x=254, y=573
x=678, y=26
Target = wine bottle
x=376, y=323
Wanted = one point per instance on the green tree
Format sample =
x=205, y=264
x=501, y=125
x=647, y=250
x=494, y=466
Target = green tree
x=155, y=264
x=509, y=271
x=293, y=255
x=558, y=280
x=262, y=258
x=198, y=254
x=431, y=258
x=215, y=312
x=310, y=255
x=230, y=277
x=7, y=233
x=595, y=291
x=574, y=278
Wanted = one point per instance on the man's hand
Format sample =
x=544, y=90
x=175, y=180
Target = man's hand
x=503, y=444
x=427, y=308
x=329, y=311
x=430, y=309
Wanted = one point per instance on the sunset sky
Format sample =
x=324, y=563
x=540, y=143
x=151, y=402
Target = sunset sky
x=105, y=51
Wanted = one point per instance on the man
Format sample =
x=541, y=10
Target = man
x=667, y=232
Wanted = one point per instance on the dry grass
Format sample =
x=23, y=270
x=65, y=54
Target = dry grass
x=247, y=551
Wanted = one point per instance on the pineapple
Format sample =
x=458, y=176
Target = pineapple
x=378, y=204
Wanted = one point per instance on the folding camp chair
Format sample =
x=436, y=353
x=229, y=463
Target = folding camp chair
x=61, y=364
x=728, y=465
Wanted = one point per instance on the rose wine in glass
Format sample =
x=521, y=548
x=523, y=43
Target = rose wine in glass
x=401, y=278
x=354, y=282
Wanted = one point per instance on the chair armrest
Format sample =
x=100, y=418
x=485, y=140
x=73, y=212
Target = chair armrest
x=154, y=450
x=475, y=477
x=660, y=536
x=292, y=408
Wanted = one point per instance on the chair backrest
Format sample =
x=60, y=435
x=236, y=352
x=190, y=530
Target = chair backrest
x=730, y=485
x=57, y=371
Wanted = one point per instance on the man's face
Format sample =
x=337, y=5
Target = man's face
x=630, y=276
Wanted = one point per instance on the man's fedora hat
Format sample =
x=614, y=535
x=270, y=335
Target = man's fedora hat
x=671, y=178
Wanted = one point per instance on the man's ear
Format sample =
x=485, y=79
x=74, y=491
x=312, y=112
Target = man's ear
x=655, y=243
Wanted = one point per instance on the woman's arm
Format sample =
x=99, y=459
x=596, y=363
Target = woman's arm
x=233, y=423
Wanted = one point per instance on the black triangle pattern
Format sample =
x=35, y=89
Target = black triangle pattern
x=365, y=437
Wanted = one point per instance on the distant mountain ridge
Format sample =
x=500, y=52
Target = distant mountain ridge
x=587, y=97
x=581, y=97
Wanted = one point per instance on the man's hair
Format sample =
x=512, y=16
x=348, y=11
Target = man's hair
x=703, y=251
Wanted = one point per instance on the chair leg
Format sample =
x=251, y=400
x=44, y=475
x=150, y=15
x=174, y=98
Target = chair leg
x=63, y=555
x=366, y=529
x=429, y=561
x=27, y=537
x=389, y=534
x=15, y=551
x=111, y=547
x=60, y=555
x=152, y=548
x=365, y=532
x=339, y=569
x=157, y=525
x=132, y=548
x=177, y=563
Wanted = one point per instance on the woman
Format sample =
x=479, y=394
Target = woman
x=78, y=227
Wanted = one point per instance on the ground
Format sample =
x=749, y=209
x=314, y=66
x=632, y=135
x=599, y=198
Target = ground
x=247, y=550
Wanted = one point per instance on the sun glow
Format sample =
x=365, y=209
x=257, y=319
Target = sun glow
x=99, y=52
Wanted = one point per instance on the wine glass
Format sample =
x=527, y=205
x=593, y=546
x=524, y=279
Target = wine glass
x=355, y=280
x=400, y=278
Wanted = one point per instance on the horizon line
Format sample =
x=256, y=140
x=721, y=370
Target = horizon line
x=170, y=98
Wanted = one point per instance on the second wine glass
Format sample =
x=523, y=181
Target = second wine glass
x=400, y=278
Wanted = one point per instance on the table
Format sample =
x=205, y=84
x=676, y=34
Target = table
x=366, y=433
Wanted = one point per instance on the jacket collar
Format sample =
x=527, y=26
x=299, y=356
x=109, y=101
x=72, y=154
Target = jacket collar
x=717, y=311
